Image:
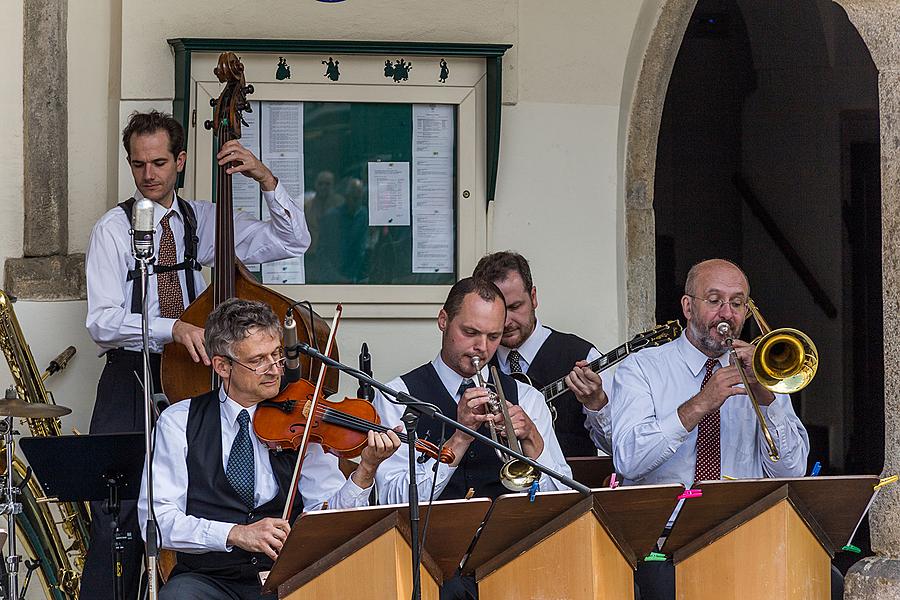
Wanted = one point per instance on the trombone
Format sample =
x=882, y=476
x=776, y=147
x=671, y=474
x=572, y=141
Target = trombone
x=515, y=475
x=785, y=361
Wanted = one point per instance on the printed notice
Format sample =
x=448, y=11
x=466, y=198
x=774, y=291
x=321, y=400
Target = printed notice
x=244, y=190
x=289, y=270
x=282, y=144
x=388, y=193
x=432, y=250
x=432, y=184
x=433, y=130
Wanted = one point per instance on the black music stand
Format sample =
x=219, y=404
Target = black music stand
x=79, y=468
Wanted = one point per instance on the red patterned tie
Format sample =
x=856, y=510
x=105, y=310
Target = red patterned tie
x=709, y=456
x=171, y=301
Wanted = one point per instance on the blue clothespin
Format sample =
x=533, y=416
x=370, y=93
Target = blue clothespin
x=533, y=490
x=816, y=469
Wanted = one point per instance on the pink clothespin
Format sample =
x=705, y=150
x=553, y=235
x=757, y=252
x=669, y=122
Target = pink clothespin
x=612, y=481
x=690, y=494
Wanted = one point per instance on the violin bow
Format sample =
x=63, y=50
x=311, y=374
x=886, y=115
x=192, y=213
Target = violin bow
x=313, y=406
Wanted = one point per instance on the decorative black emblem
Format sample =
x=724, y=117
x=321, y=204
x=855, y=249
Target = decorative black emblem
x=283, y=71
x=332, y=71
x=445, y=72
x=399, y=71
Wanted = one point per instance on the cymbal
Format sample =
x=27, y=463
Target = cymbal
x=13, y=407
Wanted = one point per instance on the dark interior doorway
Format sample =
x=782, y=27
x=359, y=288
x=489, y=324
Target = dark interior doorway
x=782, y=98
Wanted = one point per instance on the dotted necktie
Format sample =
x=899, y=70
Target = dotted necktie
x=240, y=471
x=709, y=454
x=171, y=301
x=515, y=361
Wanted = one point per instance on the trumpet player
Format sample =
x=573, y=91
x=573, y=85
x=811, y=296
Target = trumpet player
x=471, y=324
x=681, y=414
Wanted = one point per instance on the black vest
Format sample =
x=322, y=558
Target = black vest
x=555, y=359
x=210, y=495
x=480, y=467
x=190, y=255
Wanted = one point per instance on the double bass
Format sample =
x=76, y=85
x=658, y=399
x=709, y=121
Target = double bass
x=181, y=376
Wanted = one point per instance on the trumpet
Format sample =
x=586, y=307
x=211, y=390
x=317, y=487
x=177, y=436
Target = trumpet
x=785, y=361
x=515, y=475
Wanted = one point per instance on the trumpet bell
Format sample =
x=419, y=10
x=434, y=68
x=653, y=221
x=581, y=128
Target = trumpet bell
x=517, y=476
x=785, y=360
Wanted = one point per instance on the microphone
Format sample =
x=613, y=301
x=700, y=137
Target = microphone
x=365, y=365
x=62, y=361
x=291, y=349
x=142, y=228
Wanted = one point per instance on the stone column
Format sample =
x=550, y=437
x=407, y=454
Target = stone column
x=878, y=577
x=640, y=161
x=47, y=271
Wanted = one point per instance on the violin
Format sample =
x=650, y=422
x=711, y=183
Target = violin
x=340, y=427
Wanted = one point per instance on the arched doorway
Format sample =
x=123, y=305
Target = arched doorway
x=754, y=135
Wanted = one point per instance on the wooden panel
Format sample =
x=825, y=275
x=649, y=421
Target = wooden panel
x=578, y=562
x=835, y=503
x=769, y=556
x=383, y=568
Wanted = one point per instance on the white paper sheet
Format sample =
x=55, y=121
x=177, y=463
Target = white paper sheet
x=388, y=193
x=289, y=270
x=244, y=190
x=282, y=144
x=432, y=184
x=432, y=238
x=433, y=130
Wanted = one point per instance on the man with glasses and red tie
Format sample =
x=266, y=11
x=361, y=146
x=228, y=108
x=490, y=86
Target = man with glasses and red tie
x=680, y=413
x=218, y=491
x=185, y=239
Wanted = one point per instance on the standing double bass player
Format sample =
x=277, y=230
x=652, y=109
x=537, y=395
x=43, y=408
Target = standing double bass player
x=184, y=239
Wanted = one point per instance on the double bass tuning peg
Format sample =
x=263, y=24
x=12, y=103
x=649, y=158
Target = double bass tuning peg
x=247, y=90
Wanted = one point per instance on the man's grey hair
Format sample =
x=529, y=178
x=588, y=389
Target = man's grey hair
x=234, y=320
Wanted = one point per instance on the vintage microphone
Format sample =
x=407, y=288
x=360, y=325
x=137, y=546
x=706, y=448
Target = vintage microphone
x=365, y=390
x=142, y=248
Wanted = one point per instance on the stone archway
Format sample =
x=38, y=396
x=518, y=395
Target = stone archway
x=875, y=20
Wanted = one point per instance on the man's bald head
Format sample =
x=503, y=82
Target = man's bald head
x=702, y=269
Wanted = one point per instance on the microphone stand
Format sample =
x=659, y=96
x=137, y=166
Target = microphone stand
x=416, y=408
x=151, y=548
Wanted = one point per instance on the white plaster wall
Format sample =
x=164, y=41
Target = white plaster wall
x=11, y=159
x=556, y=200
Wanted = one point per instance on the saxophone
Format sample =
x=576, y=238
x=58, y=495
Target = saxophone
x=60, y=565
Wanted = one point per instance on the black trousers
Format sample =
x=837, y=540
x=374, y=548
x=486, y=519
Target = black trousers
x=194, y=586
x=119, y=408
x=459, y=588
x=656, y=581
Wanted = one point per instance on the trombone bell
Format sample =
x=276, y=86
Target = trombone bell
x=785, y=360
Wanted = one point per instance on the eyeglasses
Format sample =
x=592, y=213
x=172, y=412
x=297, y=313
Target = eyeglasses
x=261, y=366
x=738, y=305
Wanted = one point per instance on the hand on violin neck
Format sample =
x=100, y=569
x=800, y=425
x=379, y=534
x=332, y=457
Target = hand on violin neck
x=241, y=160
x=379, y=447
x=266, y=536
x=191, y=337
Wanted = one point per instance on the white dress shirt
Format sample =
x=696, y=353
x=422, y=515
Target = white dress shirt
x=650, y=443
x=597, y=422
x=392, y=477
x=320, y=480
x=110, y=321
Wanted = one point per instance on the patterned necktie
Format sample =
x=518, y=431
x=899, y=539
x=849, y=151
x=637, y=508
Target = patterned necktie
x=466, y=384
x=709, y=454
x=240, y=471
x=171, y=301
x=515, y=364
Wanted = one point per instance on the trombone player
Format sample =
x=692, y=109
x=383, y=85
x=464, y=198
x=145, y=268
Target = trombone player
x=681, y=414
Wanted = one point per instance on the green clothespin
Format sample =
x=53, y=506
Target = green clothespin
x=851, y=548
x=655, y=557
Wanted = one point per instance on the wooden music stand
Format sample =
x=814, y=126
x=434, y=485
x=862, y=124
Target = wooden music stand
x=565, y=545
x=765, y=538
x=365, y=552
